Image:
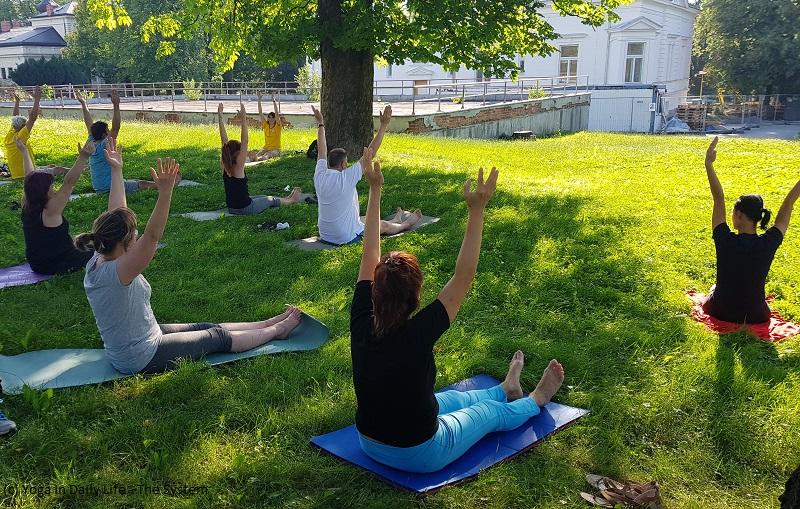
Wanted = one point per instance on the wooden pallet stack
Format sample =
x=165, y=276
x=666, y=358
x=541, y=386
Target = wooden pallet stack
x=692, y=114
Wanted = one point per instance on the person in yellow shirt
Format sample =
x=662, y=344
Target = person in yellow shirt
x=21, y=129
x=272, y=126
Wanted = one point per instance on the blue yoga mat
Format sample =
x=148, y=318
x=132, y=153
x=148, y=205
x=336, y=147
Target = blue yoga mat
x=492, y=449
x=56, y=369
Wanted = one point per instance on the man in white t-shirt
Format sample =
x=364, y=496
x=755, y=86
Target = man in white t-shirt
x=335, y=183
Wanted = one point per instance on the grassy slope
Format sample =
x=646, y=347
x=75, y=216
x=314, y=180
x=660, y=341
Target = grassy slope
x=590, y=242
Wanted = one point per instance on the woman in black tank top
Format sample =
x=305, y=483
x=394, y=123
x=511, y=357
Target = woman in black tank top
x=743, y=258
x=48, y=246
x=234, y=177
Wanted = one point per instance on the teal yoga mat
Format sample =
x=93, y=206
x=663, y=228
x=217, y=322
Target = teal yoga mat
x=56, y=369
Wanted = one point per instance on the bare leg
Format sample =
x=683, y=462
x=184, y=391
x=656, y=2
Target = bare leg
x=249, y=339
x=549, y=384
x=391, y=228
x=293, y=197
x=263, y=324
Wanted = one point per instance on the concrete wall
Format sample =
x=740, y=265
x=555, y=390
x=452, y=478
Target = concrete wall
x=542, y=116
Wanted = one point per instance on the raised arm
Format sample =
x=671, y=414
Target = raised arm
x=385, y=117
x=139, y=256
x=56, y=204
x=454, y=292
x=261, y=118
x=242, y=158
x=116, y=197
x=718, y=215
x=87, y=116
x=16, y=104
x=34, y=113
x=785, y=212
x=372, y=225
x=322, y=144
x=223, y=134
x=277, y=109
x=27, y=162
x=116, y=119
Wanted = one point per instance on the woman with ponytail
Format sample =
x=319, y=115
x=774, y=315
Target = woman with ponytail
x=743, y=258
x=120, y=296
x=48, y=245
x=234, y=178
x=401, y=422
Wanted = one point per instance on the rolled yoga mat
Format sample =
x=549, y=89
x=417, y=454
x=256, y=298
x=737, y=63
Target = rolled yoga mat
x=315, y=244
x=56, y=369
x=487, y=452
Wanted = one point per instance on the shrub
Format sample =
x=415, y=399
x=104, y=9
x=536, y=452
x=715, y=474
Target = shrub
x=308, y=82
x=48, y=92
x=536, y=92
x=192, y=91
x=53, y=71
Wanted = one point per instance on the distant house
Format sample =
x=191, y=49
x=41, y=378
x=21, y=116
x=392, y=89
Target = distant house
x=43, y=37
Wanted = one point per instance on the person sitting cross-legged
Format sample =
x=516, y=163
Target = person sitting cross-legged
x=99, y=169
x=272, y=125
x=21, y=128
x=234, y=177
x=119, y=295
x=401, y=421
x=335, y=184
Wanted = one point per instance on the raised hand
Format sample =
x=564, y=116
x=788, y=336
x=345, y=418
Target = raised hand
x=386, y=116
x=37, y=93
x=80, y=96
x=166, y=174
x=87, y=150
x=317, y=115
x=220, y=108
x=711, y=153
x=113, y=154
x=371, y=169
x=478, y=198
x=115, y=98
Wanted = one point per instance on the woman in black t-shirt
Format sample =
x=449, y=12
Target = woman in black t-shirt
x=49, y=248
x=743, y=259
x=234, y=178
x=400, y=420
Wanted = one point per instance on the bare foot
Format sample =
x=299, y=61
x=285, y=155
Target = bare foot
x=511, y=385
x=548, y=386
x=294, y=196
x=398, y=215
x=413, y=218
x=288, y=324
x=178, y=178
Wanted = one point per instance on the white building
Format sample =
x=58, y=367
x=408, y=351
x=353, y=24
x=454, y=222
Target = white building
x=43, y=38
x=651, y=45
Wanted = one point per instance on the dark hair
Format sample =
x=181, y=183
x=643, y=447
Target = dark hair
x=34, y=198
x=791, y=496
x=395, y=291
x=99, y=130
x=271, y=114
x=336, y=157
x=108, y=230
x=230, y=151
x=752, y=206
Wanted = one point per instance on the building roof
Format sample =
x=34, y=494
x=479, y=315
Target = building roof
x=32, y=36
x=67, y=9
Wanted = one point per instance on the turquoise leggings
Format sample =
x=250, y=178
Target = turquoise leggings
x=464, y=418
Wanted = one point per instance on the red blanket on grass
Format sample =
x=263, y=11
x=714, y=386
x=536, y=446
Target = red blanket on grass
x=777, y=329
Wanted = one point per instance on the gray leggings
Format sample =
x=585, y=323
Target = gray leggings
x=258, y=204
x=187, y=341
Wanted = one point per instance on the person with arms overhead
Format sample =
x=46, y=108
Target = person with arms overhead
x=335, y=184
x=743, y=258
x=401, y=421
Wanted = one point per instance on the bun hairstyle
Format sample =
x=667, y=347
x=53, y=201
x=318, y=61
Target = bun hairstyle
x=395, y=291
x=34, y=196
x=752, y=206
x=18, y=122
x=109, y=230
x=230, y=151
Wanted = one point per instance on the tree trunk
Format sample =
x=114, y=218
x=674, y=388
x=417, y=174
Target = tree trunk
x=347, y=77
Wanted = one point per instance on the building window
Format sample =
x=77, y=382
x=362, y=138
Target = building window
x=568, y=61
x=634, y=61
x=521, y=65
x=389, y=71
x=4, y=73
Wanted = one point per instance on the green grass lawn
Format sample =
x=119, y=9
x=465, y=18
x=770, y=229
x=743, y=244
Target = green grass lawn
x=590, y=242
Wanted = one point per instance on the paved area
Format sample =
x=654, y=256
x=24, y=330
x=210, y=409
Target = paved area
x=777, y=131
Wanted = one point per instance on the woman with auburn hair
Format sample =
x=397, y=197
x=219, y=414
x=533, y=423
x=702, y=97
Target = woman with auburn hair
x=743, y=258
x=401, y=421
x=49, y=248
x=232, y=160
x=120, y=295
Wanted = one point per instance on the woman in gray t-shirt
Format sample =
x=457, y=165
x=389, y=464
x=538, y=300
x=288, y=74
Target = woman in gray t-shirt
x=120, y=296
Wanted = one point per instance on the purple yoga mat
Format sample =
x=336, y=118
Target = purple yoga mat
x=20, y=275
